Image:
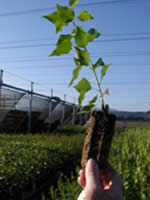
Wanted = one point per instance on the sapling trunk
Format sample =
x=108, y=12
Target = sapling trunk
x=99, y=136
x=100, y=132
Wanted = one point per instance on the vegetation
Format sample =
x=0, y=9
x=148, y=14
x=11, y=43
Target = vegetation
x=69, y=130
x=130, y=155
x=32, y=158
x=28, y=159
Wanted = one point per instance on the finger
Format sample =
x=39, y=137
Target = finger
x=81, y=179
x=82, y=172
x=92, y=174
x=81, y=182
x=105, y=178
x=107, y=187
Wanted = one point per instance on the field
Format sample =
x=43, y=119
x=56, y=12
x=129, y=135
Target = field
x=130, y=155
x=29, y=161
x=134, y=124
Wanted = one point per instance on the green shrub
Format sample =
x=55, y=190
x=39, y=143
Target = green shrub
x=130, y=156
x=27, y=158
x=69, y=130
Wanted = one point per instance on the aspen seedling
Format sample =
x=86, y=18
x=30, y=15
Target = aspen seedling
x=101, y=124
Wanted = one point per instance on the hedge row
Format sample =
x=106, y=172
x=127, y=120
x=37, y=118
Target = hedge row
x=28, y=161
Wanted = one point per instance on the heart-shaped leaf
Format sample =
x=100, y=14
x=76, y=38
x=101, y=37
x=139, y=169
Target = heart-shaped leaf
x=61, y=17
x=98, y=63
x=81, y=37
x=93, y=34
x=104, y=70
x=64, y=45
x=85, y=16
x=92, y=100
x=72, y=3
x=75, y=72
x=82, y=87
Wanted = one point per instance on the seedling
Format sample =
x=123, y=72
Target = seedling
x=101, y=122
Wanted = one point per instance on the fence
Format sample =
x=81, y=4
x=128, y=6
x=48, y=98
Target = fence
x=26, y=111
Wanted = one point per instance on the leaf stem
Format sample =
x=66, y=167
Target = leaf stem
x=96, y=78
x=98, y=85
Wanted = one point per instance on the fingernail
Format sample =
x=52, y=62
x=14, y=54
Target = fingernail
x=91, y=164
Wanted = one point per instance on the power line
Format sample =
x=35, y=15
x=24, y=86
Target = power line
x=123, y=39
x=16, y=75
x=125, y=34
x=54, y=39
x=52, y=44
x=73, y=66
x=113, y=83
x=29, y=40
x=70, y=57
x=31, y=11
x=104, y=53
x=27, y=46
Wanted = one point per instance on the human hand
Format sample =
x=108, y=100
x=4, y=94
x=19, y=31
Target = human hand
x=98, y=185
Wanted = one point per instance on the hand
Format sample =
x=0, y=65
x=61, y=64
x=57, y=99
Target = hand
x=99, y=185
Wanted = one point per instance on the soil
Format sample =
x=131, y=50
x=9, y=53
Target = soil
x=99, y=136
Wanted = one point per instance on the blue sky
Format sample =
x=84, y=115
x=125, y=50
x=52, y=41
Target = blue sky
x=124, y=43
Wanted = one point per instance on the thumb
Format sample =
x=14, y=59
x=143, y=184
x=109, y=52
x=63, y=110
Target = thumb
x=92, y=174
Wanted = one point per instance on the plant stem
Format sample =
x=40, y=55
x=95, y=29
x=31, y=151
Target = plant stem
x=95, y=76
x=98, y=85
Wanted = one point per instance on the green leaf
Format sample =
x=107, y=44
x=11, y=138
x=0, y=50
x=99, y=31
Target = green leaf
x=92, y=100
x=87, y=108
x=104, y=70
x=72, y=3
x=82, y=87
x=81, y=37
x=90, y=106
x=82, y=56
x=85, y=16
x=92, y=34
x=98, y=63
x=75, y=73
x=64, y=45
x=61, y=17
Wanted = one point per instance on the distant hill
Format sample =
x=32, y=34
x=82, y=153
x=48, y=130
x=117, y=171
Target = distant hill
x=131, y=115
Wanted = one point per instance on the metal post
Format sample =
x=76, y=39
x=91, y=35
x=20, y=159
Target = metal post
x=50, y=112
x=30, y=110
x=1, y=82
x=80, y=117
x=52, y=92
x=63, y=111
x=73, y=113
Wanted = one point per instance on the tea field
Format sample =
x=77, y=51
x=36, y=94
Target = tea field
x=31, y=163
x=130, y=156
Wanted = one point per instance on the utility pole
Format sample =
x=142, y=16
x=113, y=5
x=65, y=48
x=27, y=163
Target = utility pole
x=73, y=112
x=50, y=112
x=30, y=109
x=63, y=111
x=80, y=117
x=1, y=82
